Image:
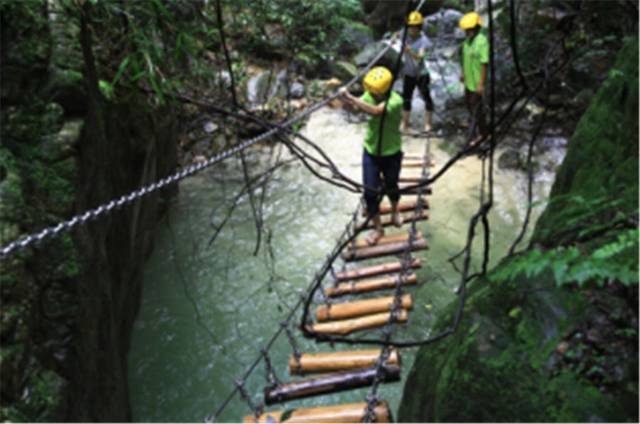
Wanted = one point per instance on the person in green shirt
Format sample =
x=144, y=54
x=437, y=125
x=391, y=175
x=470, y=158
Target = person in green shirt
x=382, y=153
x=475, y=60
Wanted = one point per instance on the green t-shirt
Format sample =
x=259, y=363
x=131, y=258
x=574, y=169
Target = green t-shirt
x=474, y=55
x=391, y=140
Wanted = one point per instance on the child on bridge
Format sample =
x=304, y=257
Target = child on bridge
x=382, y=152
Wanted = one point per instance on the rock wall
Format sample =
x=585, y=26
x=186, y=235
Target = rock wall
x=532, y=350
x=68, y=304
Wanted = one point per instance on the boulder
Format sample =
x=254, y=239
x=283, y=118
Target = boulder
x=511, y=159
x=367, y=54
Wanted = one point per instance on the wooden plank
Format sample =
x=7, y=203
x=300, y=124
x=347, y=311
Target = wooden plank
x=403, y=206
x=389, y=249
x=414, y=156
x=412, y=179
x=358, y=308
x=309, y=363
x=416, y=164
x=385, y=220
x=330, y=383
x=386, y=239
x=347, y=413
x=355, y=287
x=425, y=190
x=355, y=324
x=372, y=271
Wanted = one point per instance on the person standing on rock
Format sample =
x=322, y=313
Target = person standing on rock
x=382, y=150
x=415, y=71
x=475, y=60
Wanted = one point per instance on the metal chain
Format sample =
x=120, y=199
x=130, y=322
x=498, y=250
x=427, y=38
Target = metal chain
x=36, y=238
x=271, y=376
x=257, y=409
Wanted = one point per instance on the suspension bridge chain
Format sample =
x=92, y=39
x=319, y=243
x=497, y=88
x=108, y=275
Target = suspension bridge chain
x=108, y=207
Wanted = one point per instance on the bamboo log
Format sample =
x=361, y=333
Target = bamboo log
x=330, y=383
x=407, y=217
x=387, y=239
x=339, y=361
x=414, y=156
x=383, y=283
x=415, y=164
x=347, y=413
x=355, y=324
x=384, y=250
x=412, y=179
x=360, y=307
x=403, y=206
x=372, y=271
x=425, y=190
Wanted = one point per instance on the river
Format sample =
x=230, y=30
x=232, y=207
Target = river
x=207, y=311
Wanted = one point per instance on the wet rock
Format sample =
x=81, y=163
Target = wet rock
x=296, y=91
x=511, y=159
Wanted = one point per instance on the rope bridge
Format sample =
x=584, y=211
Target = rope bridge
x=333, y=320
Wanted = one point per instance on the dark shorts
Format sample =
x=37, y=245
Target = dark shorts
x=422, y=82
x=377, y=170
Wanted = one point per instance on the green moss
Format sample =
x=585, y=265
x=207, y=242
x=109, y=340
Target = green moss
x=606, y=137
x=501, y=364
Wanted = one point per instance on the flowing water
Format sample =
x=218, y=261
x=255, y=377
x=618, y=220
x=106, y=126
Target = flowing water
x=207, y=311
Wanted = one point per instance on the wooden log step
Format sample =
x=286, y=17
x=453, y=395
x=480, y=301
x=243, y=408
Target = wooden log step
x=387, y=239
x=347, y=413
x=356, y=324
x=330, y=383
x=355, y=287
x=425, y=190
x=309, y=363
x=414, y=156
x=403, y=206
x=358, y=308
x=372, y=271
x=385, y=220
x=416, y=164
x=411, y=179
x=376, y=251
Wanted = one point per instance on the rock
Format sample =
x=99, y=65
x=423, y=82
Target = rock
x=562, y=347
x=445, y=23
x=353, y=38
x=210, y=127
x=368, y=53
x=511, y=159
x=296, y=91
x=66, y=88
x=345, y=70
x=62, y=145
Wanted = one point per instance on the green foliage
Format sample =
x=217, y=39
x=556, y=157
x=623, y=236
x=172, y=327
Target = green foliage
x=306, y=30
x=615, y=260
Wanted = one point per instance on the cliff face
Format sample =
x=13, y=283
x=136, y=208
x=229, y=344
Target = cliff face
x=558, y=342
x=68, y=304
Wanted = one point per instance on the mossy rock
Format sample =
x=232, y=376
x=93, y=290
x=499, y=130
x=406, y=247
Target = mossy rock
x=527, y=349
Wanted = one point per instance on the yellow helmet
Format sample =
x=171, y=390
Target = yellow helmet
x=415, y=18
x=470, y=20
x=378, y=80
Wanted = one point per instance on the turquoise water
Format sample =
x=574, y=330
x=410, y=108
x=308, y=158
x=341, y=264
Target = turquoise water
x=207, y=311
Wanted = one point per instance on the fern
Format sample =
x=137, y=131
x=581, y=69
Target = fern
x=614, y=260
